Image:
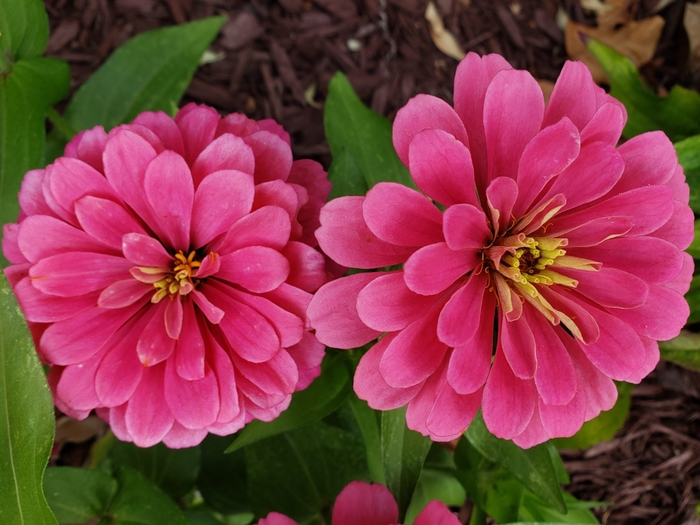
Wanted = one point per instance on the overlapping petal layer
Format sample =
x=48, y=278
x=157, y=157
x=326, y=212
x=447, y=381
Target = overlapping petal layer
x=550, y=266
x=165, y=268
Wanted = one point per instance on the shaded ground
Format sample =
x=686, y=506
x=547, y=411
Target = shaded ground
x=278, y=58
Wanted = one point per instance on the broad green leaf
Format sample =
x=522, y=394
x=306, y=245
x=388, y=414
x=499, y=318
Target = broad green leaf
x=532, y=467
x=694, y=248
x=346, y=176
x=369, y=422
x=26, y=93
x=678, y=114
x=688, y=151
x=24, y=29
x=140, y=502
x=533, y=510
x=302, y=471
x=693, y=298
x=603, y=427
x=403, y=453
x=150, y=72
x=366, y=136
x=323, y=396
x=26, y=420
x=683, y=350
x=174, y=471
x=222, y=477
x=78, y=495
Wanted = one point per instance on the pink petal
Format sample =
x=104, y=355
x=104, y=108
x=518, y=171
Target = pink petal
x=501, y=195
x=148, y=418
x=274, y=518
x=649, y=158
x=333, y=314
x=465, y=227
x=194, y=404
x=165, y=129
x=225, y=153
x=88, y=146
x=513, y=111
x=31, y=194
x=145, y=251
x=237, y=124
x=210, y=265
x=123, y=293
x=41, y=236
x=181, y=437
x=508, y=402
x=39, y=307
x=211, y=312
x=276, y=377
x=307, y=266
x=370, y=385
x=360, y=503
x=469, y=365
x=564, y=420
x=679, y=228
x=534, y=433
x=154, y=344
x=190, y=347
x=434, y=268
x=221, y=199
x=594, y=231
x=519, y=346
x=680, y=283
x=652, y=359
x=78, y=273
x=605, y=126
x=106, y=220
x=173, y=316
x=291, y=299
x=573, y=96
x=436, y=513
x=549, y=153
x=662, y=315
x=460, y=317
x=441, y=167
x=311, y=175
x=415, y=354
x=472, y=78
x=76, y=388
x=268, y=226
x=273, y=156
x=610, y=287
x=568, y=303
x=345, y=237
x=272, y=126
x=197, y=125
x=10, y=249
x=386, y=304
x=402, y=216
x=256, y=268
x=230, y=407
x=424, y=112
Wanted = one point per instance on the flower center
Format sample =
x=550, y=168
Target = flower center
x=179, y=280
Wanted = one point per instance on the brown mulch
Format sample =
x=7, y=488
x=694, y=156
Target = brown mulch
x=279, y=56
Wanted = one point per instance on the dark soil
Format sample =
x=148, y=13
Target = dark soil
x=279, y=56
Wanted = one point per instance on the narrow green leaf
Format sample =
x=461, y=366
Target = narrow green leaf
x=678, y=114
x=688, y=152
x=26, y=93
x=432, y=485
x=24, y=29
x=403, y=453
x=150, y=72
x=604, y=426
x=26, y=420
x=369, y=421
x=694, y=248
x=693, y=298
x=345, y=176
x=533, y=510
x=78, y=495
x=366, y=135
x=140, y=502
x=683, y=350
x=174, y=471
x=222, y=479
x=323, y=396
x=532, y=467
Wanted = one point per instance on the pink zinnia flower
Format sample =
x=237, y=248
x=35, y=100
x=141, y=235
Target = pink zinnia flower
x=165, y=269
x=551, y=266
x=360, y=503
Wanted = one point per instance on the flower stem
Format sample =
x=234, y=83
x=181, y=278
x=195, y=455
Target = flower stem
x=478, y=516
x=62, y=126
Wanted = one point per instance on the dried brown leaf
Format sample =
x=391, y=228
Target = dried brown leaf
x=636, y=40
x=616, y=12
x=691, y=22
x=441, y=37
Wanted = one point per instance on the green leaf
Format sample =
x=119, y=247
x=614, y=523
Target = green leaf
x=26, y=93
x=26, y=420
x=403, y=454
x=694, y=248
x=532, y=467
x=603, y=427
x=688, y=152
x=24, y=29
x=693, y=298
x=174, y=471
x=323, y=396
x=678, y=114
x=683, y=350
x=369, y=422
x=366, y=136
x=140, y=502
x=200, y=517
x=150, y=72
x=300, y=472
x=222, y=477
x=345, y=176
x=533, y=510
x=78, y=495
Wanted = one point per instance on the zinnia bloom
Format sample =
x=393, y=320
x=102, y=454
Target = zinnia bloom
x=165, y=269
x=551, y=264
x=360, y=503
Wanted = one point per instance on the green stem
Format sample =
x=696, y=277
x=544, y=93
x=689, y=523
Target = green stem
x=61, y=124
x=478, y=516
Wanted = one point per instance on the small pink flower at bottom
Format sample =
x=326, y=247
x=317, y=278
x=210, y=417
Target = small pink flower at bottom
x=165, y=268
x=551, y=267
x=360, y=503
